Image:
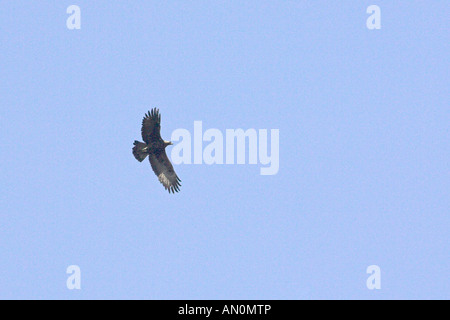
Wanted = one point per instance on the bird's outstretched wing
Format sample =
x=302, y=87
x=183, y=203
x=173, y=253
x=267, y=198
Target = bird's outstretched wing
x=164, y=171
x=151, y=126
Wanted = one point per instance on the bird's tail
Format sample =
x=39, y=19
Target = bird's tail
x=138, y=151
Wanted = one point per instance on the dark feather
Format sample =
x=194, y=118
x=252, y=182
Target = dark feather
x=138, y=151
x=151, y=126
x=164, y=171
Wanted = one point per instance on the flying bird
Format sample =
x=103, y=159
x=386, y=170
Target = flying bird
x=155, y=148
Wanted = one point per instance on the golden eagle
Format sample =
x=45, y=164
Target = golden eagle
x=155, y=148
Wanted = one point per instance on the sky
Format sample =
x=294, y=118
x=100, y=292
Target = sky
x=363, y=119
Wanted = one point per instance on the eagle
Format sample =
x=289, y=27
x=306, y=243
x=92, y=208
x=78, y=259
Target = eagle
x=155, y=148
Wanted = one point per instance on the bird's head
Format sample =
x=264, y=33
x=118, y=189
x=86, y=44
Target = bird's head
x=167, y=143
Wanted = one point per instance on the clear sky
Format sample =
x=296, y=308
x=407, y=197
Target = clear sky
x=363, y=118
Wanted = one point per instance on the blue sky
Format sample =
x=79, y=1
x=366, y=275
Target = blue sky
x=363, y=117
